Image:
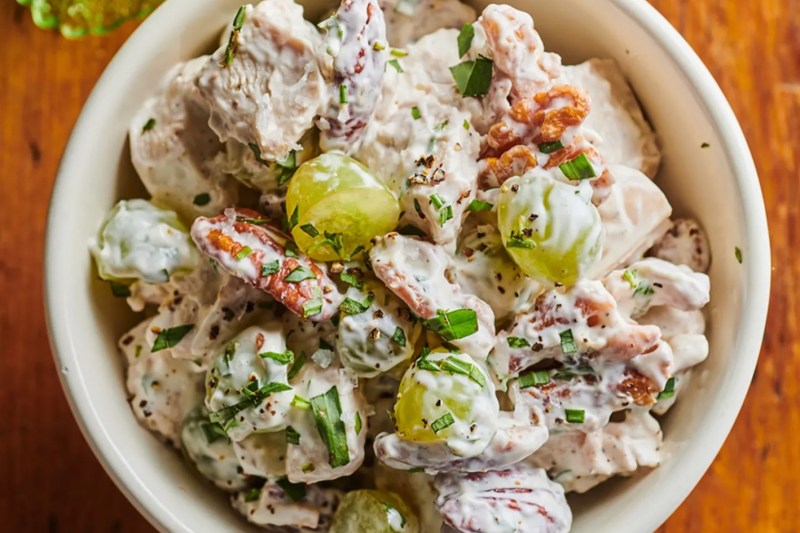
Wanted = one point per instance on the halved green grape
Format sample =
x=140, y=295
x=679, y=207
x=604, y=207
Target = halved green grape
x=447, y=397
x=340, y=206
x=207, y=445
x=138, y=240
x=550, y=228
x=373, y=511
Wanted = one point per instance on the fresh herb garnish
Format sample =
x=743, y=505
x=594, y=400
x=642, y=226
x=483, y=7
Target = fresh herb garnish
x=252, y=495
x=378, y=46
x=436, y=200
x=298, y=364
x=230, y=50
x=284, y=358
x=244, y=252
x=149, y=125
x=579, y=168
x=518, y=342
x=396, y=65
x=398, y=53
x=568, y=342
x=300, y=273
x=272, y=267
x=354, y=307
x=119, y=290
x=328, y=417
x=453, y=365
x=351, y=280
x=737, y=252
x=254, y=395
x=295, y=491
x=575, y=416
x=290, y=248
x=704, y=145
x=257, y=153
x=399, y=337
x=549, y=148
x=288, y=166
x=250, y=220
x=294, y=218
x=444, y=421
x=213, y=432
x=309, y=230
x=476, y=206
x=445, y=214
x=465, y=38
x=170, y=337
x=342, y=94
x=532, y=379
x=473, y=78
x=416, y=113
x=314, y=306
x=300, y=403
x=669, y=390
x=455, y=324
x=292, y=436
x=358, y=423
x=202, y=199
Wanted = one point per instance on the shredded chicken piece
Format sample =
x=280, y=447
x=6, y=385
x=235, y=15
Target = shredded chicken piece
x=273, y=507
x=685, y=243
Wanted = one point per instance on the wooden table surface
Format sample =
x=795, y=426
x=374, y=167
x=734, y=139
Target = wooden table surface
x=52, y=482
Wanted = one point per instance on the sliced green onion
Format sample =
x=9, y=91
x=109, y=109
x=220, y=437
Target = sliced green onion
x=476, y=206
x=535, y=378
x=292, y=436
x=343, y=94
x=436, y=200
x=358, y=423
x=579, y=168
x=396, y=65
x=170, y=337
x=300, y=273
x=549, y=148
x=416, y=113
x=298, y=364
x=301, y=403
x=575, y=416
x=444, y=421
x=244, y=252
x=568, y=342
x=398, y=53
x=445, y=214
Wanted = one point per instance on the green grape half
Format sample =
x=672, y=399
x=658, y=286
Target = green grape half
x=340, y=207
x=138, y=240
x=550, y=228
x=447, y=397
x=373, y=511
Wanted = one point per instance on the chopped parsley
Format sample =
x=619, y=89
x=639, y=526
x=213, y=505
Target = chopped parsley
x=327, y=411
x=416, y=113
x=669, y=390
x=149, y=125
x=455, y=324
x=351, y=280
x=354, y=307
x=272, y=267
x=284, y=358
x=396, y=65
x=292, y=436
x=288, y=166
x=464, y=39
x=518, y=342
x=202, y=199
x=399, y=337
x=257, y=153
x=170, y=337
x=300, y=273
x=295, y=491
x=119, y=290
x=473, y=78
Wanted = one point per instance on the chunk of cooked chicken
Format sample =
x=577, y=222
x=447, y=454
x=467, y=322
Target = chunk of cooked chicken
x=685, y=243
x=409, y=20
x=265, y=87
x=177, y=156
x=271, y=505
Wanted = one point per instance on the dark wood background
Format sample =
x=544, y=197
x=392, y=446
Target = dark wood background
x=49, y=479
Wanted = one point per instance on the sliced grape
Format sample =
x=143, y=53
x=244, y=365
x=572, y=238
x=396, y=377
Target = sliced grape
x=550, y=228
x=373, y=511
x=447, y=397
x=340, y=207
x=138, y=240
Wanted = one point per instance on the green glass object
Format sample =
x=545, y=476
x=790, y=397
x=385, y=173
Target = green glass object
x=78, y=18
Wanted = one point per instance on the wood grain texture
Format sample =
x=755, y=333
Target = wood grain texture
x=51, y=481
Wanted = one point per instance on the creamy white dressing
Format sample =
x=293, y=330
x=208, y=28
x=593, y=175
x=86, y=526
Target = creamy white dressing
x=141, y=241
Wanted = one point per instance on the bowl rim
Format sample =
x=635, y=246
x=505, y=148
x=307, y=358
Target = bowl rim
x=696, y=461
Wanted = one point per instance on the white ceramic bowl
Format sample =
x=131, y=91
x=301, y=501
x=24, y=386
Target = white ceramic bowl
x=718, y=185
